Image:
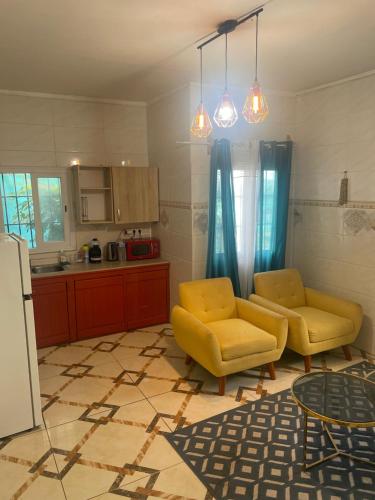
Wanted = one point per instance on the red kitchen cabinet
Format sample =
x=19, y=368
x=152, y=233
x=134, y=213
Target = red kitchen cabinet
x=90, y=304
x=147, y=298
x=99, y=304
x=50, y=301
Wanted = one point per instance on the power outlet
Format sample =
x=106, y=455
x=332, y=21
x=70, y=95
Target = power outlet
x=135, y=232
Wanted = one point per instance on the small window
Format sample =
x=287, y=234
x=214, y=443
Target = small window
x=269, y=207
x=34, y=206
x=17, y=205
x=51, y=209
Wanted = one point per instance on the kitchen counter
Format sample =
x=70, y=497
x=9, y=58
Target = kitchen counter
x=79, y=268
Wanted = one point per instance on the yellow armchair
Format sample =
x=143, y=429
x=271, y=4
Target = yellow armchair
x=317, y=321
x=223, y=333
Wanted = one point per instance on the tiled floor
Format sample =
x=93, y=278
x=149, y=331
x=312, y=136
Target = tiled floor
x=106, y=404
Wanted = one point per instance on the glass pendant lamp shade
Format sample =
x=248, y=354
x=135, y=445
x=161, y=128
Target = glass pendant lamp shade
x=225, y=114
x=201, y=126
x=255, y=109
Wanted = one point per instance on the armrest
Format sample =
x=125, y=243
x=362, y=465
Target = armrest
x=267, y=320
x=196, y=339
x=335, y=305
x=298, y=337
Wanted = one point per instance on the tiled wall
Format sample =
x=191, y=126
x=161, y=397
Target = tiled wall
x=168, y=122
x=334, y=247
x=43, y=132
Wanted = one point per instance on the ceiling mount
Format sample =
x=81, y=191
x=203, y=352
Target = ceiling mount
x=227, y=26
x=230, y=25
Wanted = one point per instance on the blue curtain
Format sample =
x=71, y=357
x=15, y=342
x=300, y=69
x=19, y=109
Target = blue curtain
x=275, y=166
x=222, y=254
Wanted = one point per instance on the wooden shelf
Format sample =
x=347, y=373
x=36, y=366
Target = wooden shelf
x=94, y=194
x=100, y=221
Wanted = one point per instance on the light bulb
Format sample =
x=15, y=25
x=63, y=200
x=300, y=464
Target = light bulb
x=201, y=126
x=255, y=109
x=255, y=104
x=226, y=114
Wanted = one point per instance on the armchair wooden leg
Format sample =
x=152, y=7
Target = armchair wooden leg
x=347, y=353
x=221, y=386
x=188, y=359
x=271, y=370
x=307, y=360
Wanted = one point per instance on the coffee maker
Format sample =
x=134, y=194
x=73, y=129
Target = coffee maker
x=95, y=252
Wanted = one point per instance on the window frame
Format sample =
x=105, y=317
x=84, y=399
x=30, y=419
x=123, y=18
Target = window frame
x=42, y=246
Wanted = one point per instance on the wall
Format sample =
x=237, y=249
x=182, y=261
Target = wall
x=184, y=170
x=334, y=246
x=168, y=122
x=48, y=132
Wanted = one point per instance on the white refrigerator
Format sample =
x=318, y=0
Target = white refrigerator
x=19, y=382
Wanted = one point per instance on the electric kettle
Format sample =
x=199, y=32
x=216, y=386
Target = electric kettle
x=112, y=250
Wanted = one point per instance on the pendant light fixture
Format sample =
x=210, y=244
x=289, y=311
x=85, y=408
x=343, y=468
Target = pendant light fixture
x=226, y=114
x=201, y=126
x=255, y=109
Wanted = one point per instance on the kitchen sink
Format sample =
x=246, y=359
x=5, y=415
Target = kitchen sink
x=47, y=268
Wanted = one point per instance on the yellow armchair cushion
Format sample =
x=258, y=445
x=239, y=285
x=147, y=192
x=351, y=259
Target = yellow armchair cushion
x=323, y=325
x=283, y=287
x=209, y=300
x=239, y=338
x=341, y=307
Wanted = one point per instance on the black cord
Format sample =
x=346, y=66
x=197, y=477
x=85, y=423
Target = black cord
x=226, y=61
x=256, y=49
x=201, y=57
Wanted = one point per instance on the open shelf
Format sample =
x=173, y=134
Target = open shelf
x=94, y=194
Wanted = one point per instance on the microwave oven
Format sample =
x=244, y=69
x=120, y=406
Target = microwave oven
x=138, y=249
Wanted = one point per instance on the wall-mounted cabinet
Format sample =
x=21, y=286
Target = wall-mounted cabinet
x=135, y=194
x=94, y=195
x=117, y=195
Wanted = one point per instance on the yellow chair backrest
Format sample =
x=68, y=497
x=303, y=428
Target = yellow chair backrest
x=284, y=287
x=209, y=300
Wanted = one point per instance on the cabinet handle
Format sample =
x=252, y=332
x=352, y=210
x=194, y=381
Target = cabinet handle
x=118, y=214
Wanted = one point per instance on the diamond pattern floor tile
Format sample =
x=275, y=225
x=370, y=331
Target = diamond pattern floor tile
x=107, y=403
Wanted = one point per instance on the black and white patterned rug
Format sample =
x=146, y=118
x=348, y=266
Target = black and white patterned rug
x=256, y=451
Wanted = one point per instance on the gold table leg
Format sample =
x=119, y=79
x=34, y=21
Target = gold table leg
x=336, y=453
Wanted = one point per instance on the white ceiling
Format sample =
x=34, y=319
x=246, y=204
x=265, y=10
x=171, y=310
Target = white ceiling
x=139, y=49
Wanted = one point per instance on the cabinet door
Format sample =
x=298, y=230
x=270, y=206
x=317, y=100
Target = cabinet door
x=51, y=316
x=147, y=298
x=135, y=194
x=99, y=306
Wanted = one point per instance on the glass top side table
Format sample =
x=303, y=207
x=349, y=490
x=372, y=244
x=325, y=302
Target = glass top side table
x=336, y=398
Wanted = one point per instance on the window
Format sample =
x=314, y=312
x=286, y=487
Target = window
x=34, y=206
x=269, y=207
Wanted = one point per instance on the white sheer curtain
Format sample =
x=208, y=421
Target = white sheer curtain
x=245, y=164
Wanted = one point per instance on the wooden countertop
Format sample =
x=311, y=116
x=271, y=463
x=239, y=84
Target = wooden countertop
x=79, y=268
